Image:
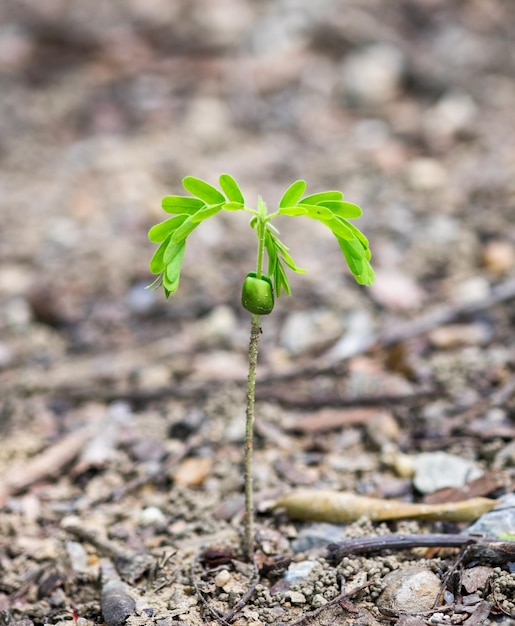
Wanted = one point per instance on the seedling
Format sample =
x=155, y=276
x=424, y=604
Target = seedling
x=260, y=287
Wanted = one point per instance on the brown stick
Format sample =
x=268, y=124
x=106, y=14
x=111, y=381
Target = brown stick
x=49, y=463
x=365, y=545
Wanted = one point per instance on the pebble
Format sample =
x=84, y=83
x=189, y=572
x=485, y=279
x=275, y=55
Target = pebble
x=425, y=174
x=151, y=515
x=222, y=578
x=140, y=299
x=77, y=555
x=219, y=328
x=297, y=572
x=452, y=114
x=454, y=335
x=410, y=590
x=318, y=600
x=499, y=256
x=436, y=470
x=396, y=291
x=372, y=75
x=306, y=330
x=192, y=472
x=296, y=597
x=499, y=521
x=318, y=536
x=472, y=290
x=116, y=603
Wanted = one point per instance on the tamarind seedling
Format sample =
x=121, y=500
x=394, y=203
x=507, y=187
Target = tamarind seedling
x=261, y=287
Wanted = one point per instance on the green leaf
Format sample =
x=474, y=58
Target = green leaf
x=175, y=254
x=204, y=214
x=203, y=190
x=233, y=206
x=318, y=212
x=231, y=189
x=160, y=232
x=293, y=210
x=281, y=281
x=293, y=194
x=181, y=204
x=184, y=230
x=359, y=236
x=357, y=261
x=323, y=196
x=271, y=251
x=342, y=209
x=340, y=228
x=157, y=262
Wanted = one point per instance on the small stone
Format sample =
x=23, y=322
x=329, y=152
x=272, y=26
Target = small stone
x=219, y=327
x=308, y=330
x=372, y=75
x=151, y=516
x=410, y=590
x=499, y=256
x=296, y=597
x=116, y=604
x=426, y=174
x=455, y=335
x=77, y=555
x=500, y=521
x=436, y=470
x=452, y=114
x=317, y=536
x=222, y=578
x=396, y=291
x=297, y=572
x=193, y=472
x=318, y=600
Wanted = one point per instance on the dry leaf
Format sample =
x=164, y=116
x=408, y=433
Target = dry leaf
x=338, y=507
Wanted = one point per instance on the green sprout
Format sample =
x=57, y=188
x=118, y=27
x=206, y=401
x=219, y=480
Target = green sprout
x=260, y=287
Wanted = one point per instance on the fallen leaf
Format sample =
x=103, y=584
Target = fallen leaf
x=339, y=507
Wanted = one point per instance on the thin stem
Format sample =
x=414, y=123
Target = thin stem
x=261, y=228
x=248, y=543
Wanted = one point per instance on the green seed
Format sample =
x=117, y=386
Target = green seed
x=257, y=295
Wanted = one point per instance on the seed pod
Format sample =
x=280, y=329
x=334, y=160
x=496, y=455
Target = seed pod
x=257, y=295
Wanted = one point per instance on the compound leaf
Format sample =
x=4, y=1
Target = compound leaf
x=293, y=194
x=203, y=190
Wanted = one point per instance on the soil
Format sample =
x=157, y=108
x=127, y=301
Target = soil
x=122, y=413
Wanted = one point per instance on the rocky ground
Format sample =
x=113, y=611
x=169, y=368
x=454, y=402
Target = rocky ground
x=122, y=414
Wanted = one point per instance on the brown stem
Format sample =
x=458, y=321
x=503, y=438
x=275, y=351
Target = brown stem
x=248, y=542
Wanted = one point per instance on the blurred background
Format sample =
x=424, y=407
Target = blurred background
x=408, y=107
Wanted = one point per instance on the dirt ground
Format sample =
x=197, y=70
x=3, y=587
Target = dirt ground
x=122, y=414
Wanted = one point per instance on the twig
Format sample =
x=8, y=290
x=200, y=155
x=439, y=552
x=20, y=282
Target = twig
x=345, y=595
x=365, y=545
x=228, y=617
x=49, y=463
